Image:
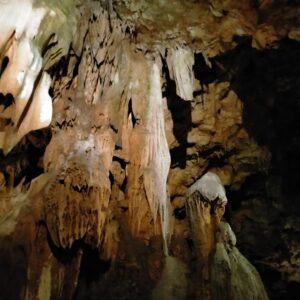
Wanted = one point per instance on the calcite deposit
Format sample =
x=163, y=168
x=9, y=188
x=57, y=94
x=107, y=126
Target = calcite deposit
x=148, y=149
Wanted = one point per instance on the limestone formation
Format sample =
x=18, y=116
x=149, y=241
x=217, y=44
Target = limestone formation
x=210, y=188
x=230, y=267
x=132, y=133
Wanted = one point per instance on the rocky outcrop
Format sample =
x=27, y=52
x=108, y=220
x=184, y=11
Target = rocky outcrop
x=113, y=114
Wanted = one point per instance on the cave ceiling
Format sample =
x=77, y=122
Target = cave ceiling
x=210, y=27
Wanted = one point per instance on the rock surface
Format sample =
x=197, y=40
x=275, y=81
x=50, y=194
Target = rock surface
x=110, y=111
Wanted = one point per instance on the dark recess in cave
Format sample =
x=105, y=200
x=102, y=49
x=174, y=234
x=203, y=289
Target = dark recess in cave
x=253, y=187
x=268, y=84
x=65, y=256
x=4, y=64
x=202, y=71
x=182, y=120
x=6, y=100
x=92, y=267
x=13, y=268
x=24, y=160
x=180, y=213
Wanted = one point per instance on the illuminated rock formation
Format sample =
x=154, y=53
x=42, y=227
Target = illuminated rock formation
x=122, y=124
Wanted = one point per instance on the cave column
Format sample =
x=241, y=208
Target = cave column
x=204, y=217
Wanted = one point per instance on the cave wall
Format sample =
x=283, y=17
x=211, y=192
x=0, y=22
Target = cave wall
x=111, y=111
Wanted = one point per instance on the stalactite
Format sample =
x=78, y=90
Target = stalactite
x=39, y=114
x=134, y=134
x=151, y=161
x=23, y=85
x=78, y=195
x=157, y=160
x=29, y=93
x=180, y=63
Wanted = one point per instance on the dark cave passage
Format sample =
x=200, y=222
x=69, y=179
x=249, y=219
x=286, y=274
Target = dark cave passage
x=268, y=83
x=25, y=160
x=182, y=120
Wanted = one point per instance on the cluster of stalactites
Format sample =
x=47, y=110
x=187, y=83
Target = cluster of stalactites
x=76, y=211
x=78, y=194
x=180, y=64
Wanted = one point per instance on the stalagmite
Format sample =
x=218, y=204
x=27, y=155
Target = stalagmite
x=206, y=200
x=233, y=277
x=204, y=218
